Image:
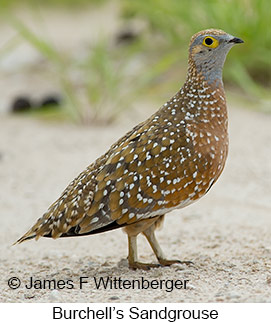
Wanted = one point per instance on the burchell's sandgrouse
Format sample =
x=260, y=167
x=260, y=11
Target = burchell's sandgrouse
x=166, y=162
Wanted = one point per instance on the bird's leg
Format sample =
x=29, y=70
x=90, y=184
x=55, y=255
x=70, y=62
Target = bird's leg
x=132, y=256
x=149, y=234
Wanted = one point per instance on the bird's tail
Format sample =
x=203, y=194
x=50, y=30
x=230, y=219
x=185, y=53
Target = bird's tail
x=36, y=231
x=40, y=228
x=30, y=234
x=23, y=238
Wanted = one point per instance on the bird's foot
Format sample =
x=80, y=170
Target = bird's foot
x=141, y=265
x=167, y=262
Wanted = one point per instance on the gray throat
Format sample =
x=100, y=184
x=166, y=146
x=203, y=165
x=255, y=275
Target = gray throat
x=211, y=69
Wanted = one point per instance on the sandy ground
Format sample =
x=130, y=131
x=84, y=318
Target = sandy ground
x=227, y=234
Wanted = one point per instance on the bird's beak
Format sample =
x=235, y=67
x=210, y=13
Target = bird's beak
x=236, y=40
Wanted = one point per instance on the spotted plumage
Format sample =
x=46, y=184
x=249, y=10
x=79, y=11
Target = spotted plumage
x=166, y=162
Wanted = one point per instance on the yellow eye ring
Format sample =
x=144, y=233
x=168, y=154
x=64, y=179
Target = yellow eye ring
x=210, y=42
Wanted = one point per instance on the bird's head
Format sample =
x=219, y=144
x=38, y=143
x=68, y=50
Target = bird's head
x=208, y=50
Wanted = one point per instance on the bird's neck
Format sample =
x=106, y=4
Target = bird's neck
x=199, y=85
x=204, y=100
x=210, y=70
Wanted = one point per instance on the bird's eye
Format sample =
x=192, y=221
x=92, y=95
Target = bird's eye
x=210, y=42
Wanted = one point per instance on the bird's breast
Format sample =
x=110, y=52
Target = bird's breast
x=199, y=149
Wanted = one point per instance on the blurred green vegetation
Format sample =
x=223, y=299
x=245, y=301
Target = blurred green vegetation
x=96, y=87
x=50, y=3
x=249, y=66
x=111, y=75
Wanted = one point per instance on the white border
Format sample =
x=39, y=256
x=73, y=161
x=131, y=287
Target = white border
x=227, y=312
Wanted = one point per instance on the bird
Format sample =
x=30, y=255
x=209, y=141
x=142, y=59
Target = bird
x=166, y=162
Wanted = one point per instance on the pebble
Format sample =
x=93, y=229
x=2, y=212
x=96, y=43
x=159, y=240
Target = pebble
x=21, y=104
x=190, y=286
x=54, y=295
x=233, y=296
x=123, y=263
x=29, y=296
x=50, y=100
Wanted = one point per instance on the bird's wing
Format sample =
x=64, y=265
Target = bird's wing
x=74, y=203
x=137, y=178
x=142, y=177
